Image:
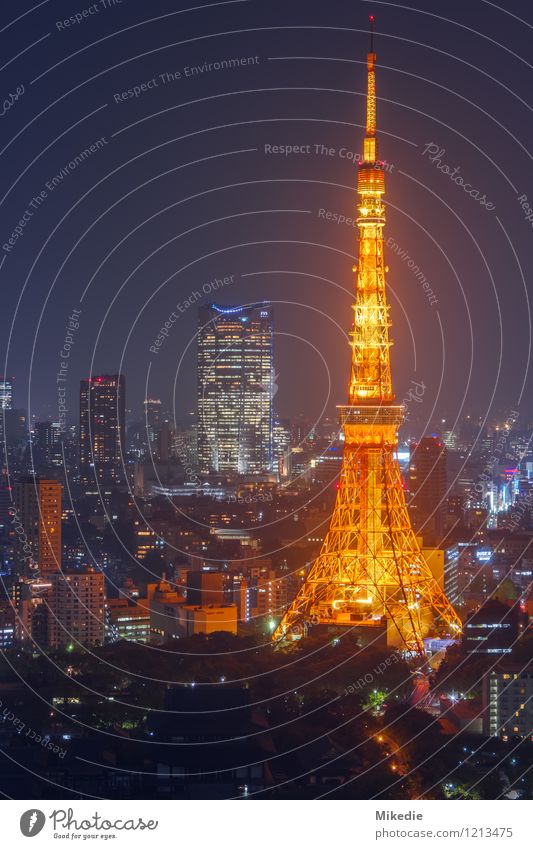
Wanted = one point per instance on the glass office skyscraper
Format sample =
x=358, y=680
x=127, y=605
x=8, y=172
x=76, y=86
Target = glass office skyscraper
x=236, y=385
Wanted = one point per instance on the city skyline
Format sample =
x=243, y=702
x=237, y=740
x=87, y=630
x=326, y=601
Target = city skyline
x=266, y=485
x=408, y=131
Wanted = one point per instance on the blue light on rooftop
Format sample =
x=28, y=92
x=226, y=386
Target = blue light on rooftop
x=227, y=310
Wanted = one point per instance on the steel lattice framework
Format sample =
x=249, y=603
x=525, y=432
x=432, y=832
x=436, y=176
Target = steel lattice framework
x=370, y=568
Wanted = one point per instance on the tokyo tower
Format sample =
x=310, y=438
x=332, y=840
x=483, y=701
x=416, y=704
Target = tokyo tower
x=370, y=571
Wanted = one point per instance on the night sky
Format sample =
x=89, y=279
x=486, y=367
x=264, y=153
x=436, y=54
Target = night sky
x=181, y=191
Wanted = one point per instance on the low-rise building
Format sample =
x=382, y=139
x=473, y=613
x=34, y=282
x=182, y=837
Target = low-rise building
x=127, y=619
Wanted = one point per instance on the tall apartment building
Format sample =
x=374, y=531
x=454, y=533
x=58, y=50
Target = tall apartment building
x=508, y=702
x=76, y=614
x=272, y=597
x=37, y=510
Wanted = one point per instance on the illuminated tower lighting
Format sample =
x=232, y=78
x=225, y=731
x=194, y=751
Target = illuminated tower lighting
x=370, y=570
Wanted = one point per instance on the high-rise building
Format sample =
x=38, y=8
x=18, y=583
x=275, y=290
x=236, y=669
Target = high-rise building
x=451, y=573
x=165, y=442
x=8, y=621
x=451, y=439
x=102, y=432
x=455, y=511
x=13, y=423
x=427, y=487
x=271, y=594
x=152, y=420
x=6, y=393
x=281, y=442
x=37, y=510
x=5, y=504
x=145, y=540
x=236, y=385
x=76, y=613
x=47, y=443
x=14, y=426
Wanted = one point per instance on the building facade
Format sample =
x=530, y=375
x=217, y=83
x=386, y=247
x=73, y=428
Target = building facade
x=6, y=393
x=76, y=613
x=236, y=385
x=493, y=629
x=37, y=510
x=427, y=487
x=508, y=703
x=152, y=421
x=102, y=428
x=46, y=444
x=127, y=619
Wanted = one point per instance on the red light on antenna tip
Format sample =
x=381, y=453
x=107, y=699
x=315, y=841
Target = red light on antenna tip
x=371, y=17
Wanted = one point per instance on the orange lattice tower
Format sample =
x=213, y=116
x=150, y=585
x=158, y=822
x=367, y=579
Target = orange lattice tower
x=370, y=569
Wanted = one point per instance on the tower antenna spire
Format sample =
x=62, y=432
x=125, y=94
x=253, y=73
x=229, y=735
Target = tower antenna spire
x=370, y=151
